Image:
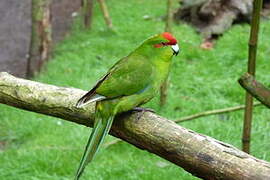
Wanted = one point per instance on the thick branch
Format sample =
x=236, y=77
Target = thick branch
x=201, y=155
x=256, y=89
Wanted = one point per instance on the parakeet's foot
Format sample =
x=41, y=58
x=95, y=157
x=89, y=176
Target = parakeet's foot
x=141, y=109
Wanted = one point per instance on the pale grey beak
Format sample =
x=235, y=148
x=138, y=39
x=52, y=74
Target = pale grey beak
x=175, y=49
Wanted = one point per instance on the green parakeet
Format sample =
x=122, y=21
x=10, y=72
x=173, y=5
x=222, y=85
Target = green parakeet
x=131, y=82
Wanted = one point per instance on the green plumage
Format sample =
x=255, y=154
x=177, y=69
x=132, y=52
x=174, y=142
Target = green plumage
x=132, y=81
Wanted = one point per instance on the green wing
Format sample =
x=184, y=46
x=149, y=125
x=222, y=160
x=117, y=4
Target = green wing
x=129, y=76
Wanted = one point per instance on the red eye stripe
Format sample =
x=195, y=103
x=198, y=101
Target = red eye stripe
x=158, y=45
x=161, y=44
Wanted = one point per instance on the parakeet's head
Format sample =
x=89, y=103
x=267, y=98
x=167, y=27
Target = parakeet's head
x=163, y=40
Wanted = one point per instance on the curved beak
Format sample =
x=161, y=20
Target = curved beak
x=175, y=49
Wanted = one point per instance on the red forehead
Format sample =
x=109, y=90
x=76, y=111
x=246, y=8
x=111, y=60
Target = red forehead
x=170, y=38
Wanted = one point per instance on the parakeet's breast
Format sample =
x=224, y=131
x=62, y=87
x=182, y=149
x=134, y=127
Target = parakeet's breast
x=162, y=67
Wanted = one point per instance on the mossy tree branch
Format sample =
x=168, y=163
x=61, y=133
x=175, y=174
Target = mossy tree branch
x=256, y=89
x=200, y=155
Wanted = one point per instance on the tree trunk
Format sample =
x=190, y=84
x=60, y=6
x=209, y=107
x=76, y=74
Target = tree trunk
x=200, y=155
x=88, y=12
x=41, y=38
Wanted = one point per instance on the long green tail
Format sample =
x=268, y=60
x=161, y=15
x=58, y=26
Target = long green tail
x=101, y=128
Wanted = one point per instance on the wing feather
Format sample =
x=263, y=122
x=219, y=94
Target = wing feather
x=128, y=76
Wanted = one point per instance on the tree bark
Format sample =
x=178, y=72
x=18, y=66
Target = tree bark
x=256, y=89
x=200, y=155
x=41, y=37
x=88, y=12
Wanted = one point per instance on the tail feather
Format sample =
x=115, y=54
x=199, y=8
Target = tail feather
x=100, y=130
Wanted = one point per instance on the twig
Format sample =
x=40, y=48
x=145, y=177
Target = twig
x=213, y=112
x=105, y=12
x=257, y=6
